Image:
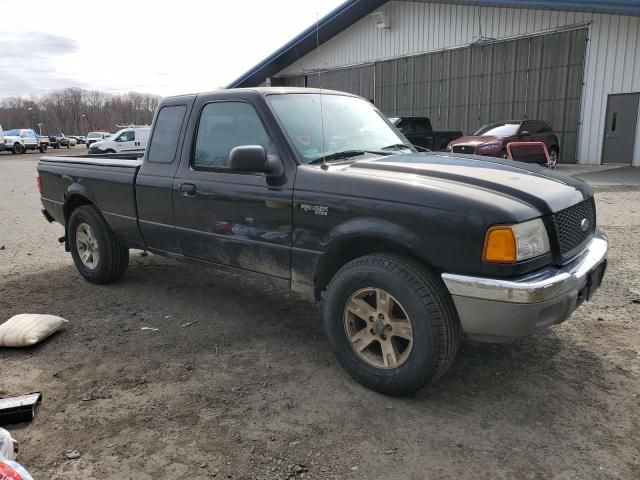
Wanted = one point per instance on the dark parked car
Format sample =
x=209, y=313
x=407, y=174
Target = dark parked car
x=420, y=133
x=59, y=141
x=315, y=191
x=492, y=139
x=80, y=140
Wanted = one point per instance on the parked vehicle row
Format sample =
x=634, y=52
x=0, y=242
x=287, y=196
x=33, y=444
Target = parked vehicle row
x=317, y=191
x=20, y=140
x=490, y=140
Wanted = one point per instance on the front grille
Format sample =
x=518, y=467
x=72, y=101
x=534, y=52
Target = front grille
x=570, y=225
x=463, y=149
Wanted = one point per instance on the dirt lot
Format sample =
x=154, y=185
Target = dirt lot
x=252, y=391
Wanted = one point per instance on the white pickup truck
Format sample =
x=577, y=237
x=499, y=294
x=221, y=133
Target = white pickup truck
x=19, y=140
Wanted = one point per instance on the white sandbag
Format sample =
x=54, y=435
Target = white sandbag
x=28, y=329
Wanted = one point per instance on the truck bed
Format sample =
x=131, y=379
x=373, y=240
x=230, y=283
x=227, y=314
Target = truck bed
x=106, y=180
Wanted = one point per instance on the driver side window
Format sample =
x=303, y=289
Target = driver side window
x=222, y=127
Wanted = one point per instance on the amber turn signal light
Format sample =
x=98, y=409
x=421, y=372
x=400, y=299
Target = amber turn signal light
x=500, y=245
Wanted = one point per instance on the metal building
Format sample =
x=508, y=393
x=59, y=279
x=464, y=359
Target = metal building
x=574, y=63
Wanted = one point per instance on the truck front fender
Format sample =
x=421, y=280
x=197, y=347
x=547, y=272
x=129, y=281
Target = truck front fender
x=362, y=236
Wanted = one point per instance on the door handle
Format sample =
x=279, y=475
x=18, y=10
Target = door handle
x=188, y=189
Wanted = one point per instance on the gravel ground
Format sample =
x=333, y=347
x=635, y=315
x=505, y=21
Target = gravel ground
x=251, y=390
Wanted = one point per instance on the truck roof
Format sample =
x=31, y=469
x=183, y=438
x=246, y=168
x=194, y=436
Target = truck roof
x=266, y=91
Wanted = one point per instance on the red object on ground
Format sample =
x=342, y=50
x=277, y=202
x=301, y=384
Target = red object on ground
x=529, y=144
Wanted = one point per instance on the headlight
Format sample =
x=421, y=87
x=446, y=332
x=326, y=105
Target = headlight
x=489, y=147
x=513, y=243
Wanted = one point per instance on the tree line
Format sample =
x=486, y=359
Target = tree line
x=75, y=111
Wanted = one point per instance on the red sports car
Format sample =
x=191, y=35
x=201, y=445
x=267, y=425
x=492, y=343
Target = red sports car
x=492, y=139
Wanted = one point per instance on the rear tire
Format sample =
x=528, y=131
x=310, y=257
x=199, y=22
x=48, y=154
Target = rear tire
x=96, y=252
x=43, y=148
x=410, y=295
x=109, y=151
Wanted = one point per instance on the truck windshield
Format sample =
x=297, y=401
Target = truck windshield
x=339, y=123
x=93, y=135
x=498, y=130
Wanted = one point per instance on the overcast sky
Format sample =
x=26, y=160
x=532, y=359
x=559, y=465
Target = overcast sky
x=162, y=47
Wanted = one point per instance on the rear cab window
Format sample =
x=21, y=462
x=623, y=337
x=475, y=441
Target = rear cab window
x=166, y=132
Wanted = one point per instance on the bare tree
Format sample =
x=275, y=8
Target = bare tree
x=77, y=111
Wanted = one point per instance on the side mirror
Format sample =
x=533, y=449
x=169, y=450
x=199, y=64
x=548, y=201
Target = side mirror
x=524, y=133
x=253, y=158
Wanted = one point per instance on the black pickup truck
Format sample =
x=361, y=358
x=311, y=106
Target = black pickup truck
x=320, y=192
x=419, y=131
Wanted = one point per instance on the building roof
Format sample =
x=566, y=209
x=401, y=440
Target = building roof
x=351, y=11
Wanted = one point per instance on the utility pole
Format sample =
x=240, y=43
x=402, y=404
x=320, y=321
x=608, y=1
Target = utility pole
x=40, y=128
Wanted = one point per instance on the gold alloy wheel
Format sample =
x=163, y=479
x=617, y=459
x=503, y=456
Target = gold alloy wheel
x=87, y=246
x=378, y=328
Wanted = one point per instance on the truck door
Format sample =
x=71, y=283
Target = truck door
x=154, y=183
x=30, y=140
x=236, y=219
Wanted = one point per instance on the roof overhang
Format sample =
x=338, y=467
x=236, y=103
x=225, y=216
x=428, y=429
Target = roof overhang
x=619, y=7
x=353, y=10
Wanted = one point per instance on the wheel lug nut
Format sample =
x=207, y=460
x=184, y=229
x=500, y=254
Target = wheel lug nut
x=371, y=319
x=381, y=316
x=383, y=336
x=388, y=327
x=371, y=331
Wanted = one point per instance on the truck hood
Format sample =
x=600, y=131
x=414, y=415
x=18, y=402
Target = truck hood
x=474, y=140
x=546, y=191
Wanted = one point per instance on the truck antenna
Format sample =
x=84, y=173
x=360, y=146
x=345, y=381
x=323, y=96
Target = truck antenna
x=324, y=165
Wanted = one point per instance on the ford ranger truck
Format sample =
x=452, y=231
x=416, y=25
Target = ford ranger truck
x=320, y=192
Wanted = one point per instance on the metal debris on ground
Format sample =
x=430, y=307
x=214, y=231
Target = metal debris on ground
x=19, y=409
x=189, y=323
x=149, y=328
x=72, y=454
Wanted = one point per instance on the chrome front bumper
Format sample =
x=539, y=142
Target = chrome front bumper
x=497, y=310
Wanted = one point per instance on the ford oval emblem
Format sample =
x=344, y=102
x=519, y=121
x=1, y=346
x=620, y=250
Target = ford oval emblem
x=585, y=224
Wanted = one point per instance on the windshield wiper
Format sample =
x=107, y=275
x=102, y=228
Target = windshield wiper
x=344, y=155
x=405, y=146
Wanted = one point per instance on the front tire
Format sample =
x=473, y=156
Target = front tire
x=17, y=149
x=391, y=324
x=43, y=148
x=554, y=155
x=95, y=250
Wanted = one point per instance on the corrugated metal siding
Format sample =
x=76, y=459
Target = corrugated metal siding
x=356, y=80
x=535, y=78
x=612, y=65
